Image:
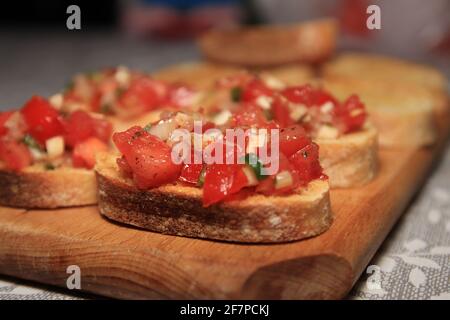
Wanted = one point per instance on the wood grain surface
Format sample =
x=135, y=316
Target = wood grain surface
x=123, y=262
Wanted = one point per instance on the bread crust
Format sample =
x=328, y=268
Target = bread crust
x=36, y=188
x=266, y=46
x=178, y=210
x=350, y=160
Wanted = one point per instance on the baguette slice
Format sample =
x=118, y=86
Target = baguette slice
x=271, y=45
x=403, y=115
x=35, y=187
x=178, y=210
x=384, y=71
x=383, y=68
x=350, y=160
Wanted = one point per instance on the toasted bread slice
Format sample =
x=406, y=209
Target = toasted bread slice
x=386, y=70
x=178, y=210
x=35, y=187
x=383, y=68
x=271, y=45
x=350, y=160
x=403, y=117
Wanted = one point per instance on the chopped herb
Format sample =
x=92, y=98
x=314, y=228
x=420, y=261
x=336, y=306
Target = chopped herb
x=31, y=142
x=201, y=178
x=105, y=108
x=253, y=162
x=148, y=127
x=236, y=94
x=49, y=166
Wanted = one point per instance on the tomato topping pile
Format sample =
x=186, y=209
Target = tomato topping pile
x=124, y=93
x=258, y=104
x=29, y=132
x=348, y=116
x=146, y=158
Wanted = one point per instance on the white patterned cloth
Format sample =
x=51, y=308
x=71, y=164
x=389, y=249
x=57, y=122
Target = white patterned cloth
x=414, y=261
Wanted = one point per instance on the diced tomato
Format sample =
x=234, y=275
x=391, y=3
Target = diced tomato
x=322, y=97
x=191, y=173
x=4, y=116
x=148, y=156
x=221, y=181
x=292, y=139
x=42, y=119
x=249, y=115
x=281, y=114
x=351, y=114
x=95, y=102
x=15, y=155
x=306, y=163
x=84, y=152
x=102, y=129
x=80, y=125
x=300, y=94
x=308, y=96
x=143, y=94
x=255, y=89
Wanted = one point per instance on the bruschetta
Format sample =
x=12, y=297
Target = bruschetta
x=233, y=201
x=47, y=156
x=124, y=96
x=347, y=140
x=403, y=99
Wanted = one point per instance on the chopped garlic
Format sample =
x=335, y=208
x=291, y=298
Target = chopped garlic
x=55, y=146
x=222, y=117
x=264, y=102
x=251, y=177
x=37, y=154
x=327, y=132
x=327, y=107
x=56, y=101
x=272, y=82
x=283, y=179
x=122, y=76
x=297, y=111
x=356, y=112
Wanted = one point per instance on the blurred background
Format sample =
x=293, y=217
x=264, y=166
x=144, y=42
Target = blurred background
x=38, y=54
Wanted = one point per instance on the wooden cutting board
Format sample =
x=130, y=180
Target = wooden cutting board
x=123, y=262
